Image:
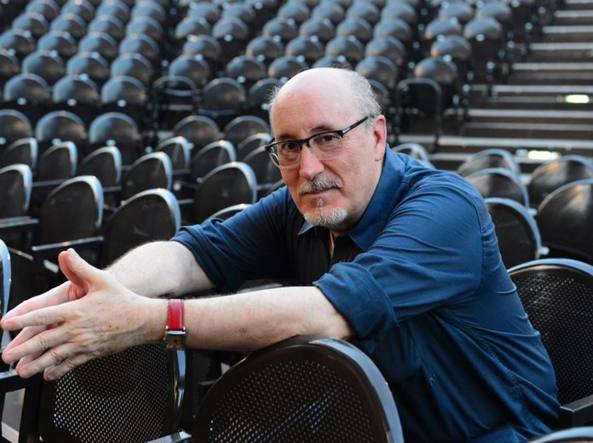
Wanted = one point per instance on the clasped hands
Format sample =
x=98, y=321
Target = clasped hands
x=89, y=316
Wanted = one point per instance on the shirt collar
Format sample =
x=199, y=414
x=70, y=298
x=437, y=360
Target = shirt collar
x=378, y=211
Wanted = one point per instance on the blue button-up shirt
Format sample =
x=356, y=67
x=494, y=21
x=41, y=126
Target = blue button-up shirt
x=422, y=285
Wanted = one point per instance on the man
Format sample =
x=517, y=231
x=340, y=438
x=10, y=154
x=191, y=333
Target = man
x=399, y=258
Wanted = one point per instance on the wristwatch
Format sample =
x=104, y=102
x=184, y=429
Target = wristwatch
x=175, y=329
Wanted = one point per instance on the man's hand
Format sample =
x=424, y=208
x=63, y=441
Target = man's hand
x=90, y=316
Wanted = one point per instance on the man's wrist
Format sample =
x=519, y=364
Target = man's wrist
x=156, y=319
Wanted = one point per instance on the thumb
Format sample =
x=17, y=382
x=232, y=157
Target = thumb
x=77, y=270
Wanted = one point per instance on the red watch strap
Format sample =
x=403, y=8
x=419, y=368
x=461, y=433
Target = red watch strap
x=175, y=315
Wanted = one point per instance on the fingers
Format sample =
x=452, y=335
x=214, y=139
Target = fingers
x=54, y=296
x=77, y=270
x=23, y=336
x=54, y=357
x=55, y=372
x=39, y=343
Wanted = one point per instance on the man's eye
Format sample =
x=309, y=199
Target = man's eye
x=326, y=139
x=289, y=146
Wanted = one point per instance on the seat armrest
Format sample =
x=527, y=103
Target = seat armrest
x=49, y=250
x=577, y=413
x=17, y=223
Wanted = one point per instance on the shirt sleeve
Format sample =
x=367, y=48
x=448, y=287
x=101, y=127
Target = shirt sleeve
x=428, y=255
x=249, y=245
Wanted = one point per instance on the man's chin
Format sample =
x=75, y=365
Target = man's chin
x=326, y=217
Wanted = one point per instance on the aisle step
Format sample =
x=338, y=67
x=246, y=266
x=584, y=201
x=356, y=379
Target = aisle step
x=561, y=52
x=530, y=116
x=572, y=17
x=577, y=33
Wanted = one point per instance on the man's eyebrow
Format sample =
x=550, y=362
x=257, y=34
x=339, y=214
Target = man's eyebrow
x=319, y=128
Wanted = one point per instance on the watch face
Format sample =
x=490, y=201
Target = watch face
x=175, y=339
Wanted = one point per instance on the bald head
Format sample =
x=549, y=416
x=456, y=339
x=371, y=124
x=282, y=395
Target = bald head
x=331, y=85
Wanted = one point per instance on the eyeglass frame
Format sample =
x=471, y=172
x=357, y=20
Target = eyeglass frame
x=271, y=147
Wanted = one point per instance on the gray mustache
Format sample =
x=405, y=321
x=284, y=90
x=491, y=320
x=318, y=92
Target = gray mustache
x=319, y=184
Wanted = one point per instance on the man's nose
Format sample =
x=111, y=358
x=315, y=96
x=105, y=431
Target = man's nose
x=310, y=166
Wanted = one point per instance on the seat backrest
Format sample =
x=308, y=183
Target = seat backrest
x=517, y=233
x=226, y=185
x=71, y=211
x=226, y=213
x=58, y=163
x=581, y=434
x=210, y=157
x=312, y=389
x=59, y=126
x=252, y=143
x=179, y=151
x=5, y=277
x=557, y=294
x=489, y=158
x=556, y=173
x=199, y=130
x=150, y=171
x=131, y=396
x=499, y=182
x=244, y=126
x=15, y=126
x=266, y=172
x=414, y=150
x=565, y=218
x=148, y=216
x=22, y=151
x=16, y=182
x=105, y=164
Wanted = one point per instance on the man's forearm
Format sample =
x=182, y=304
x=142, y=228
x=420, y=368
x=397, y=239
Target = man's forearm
x=252, y=320
x=160, y=268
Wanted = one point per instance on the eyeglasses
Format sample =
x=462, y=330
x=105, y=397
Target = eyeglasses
x=287, y=153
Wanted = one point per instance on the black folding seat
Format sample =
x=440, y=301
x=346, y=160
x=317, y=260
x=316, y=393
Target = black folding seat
x=556, y=173
x=486, y=36
x=59, y=162
x=146, y=26
x=15, y=126
x=223, y=99
x=283, y=29
x=104, y=163
x=356, y=27
x=440, y=27
x=397, y=28
x=209, y=158
x=501, y=183
x=267, y=174
x=141, y=44
x=389, y=47
x=46, y=64
x=47, y=8
x=379, y=68
x=77, y=94
x=20, y=42
x=133, y=65
x=333, y=61
x=332, y=11
x=204, y=10
x=150, y=215
x=60, y=126
x=90, y=64
x=349, y=47
x=227, y=185
x=24, y=151
x=71, y=23
x=127, y=95
x=297, y=12
x=414, y=150
x=252, y=143
x=401, y=10
x=246, y=70
x=33, y=22
x=241, y=11
x=204, y=45
x=459, y=11
x=458, y=49
x=286, y=67
x=517, y=233
x=265, y=48
x=150, y=171
x=29, y=94
x=80, y=8
x=9, y=66
x=309, y=49
x=500, y=11
x=444, y=73
x=320, y=27
x=199, y=130
x=16, y=182
x=117, y=129
x=565, y=218
x=489, y=158
x=191, y=26
x=114, y=8
x=192, y=67
x=265, y=10
x=101, y=43
x=365, y=10
x=110, y=25
x=179, y=151
x=226, y=213
x=384, y=98
x=259, y=95
x=232, y=34
x=61, y=42
x=150, y=9
x=244, y=126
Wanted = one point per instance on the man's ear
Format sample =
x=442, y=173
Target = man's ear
x=380, y=135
